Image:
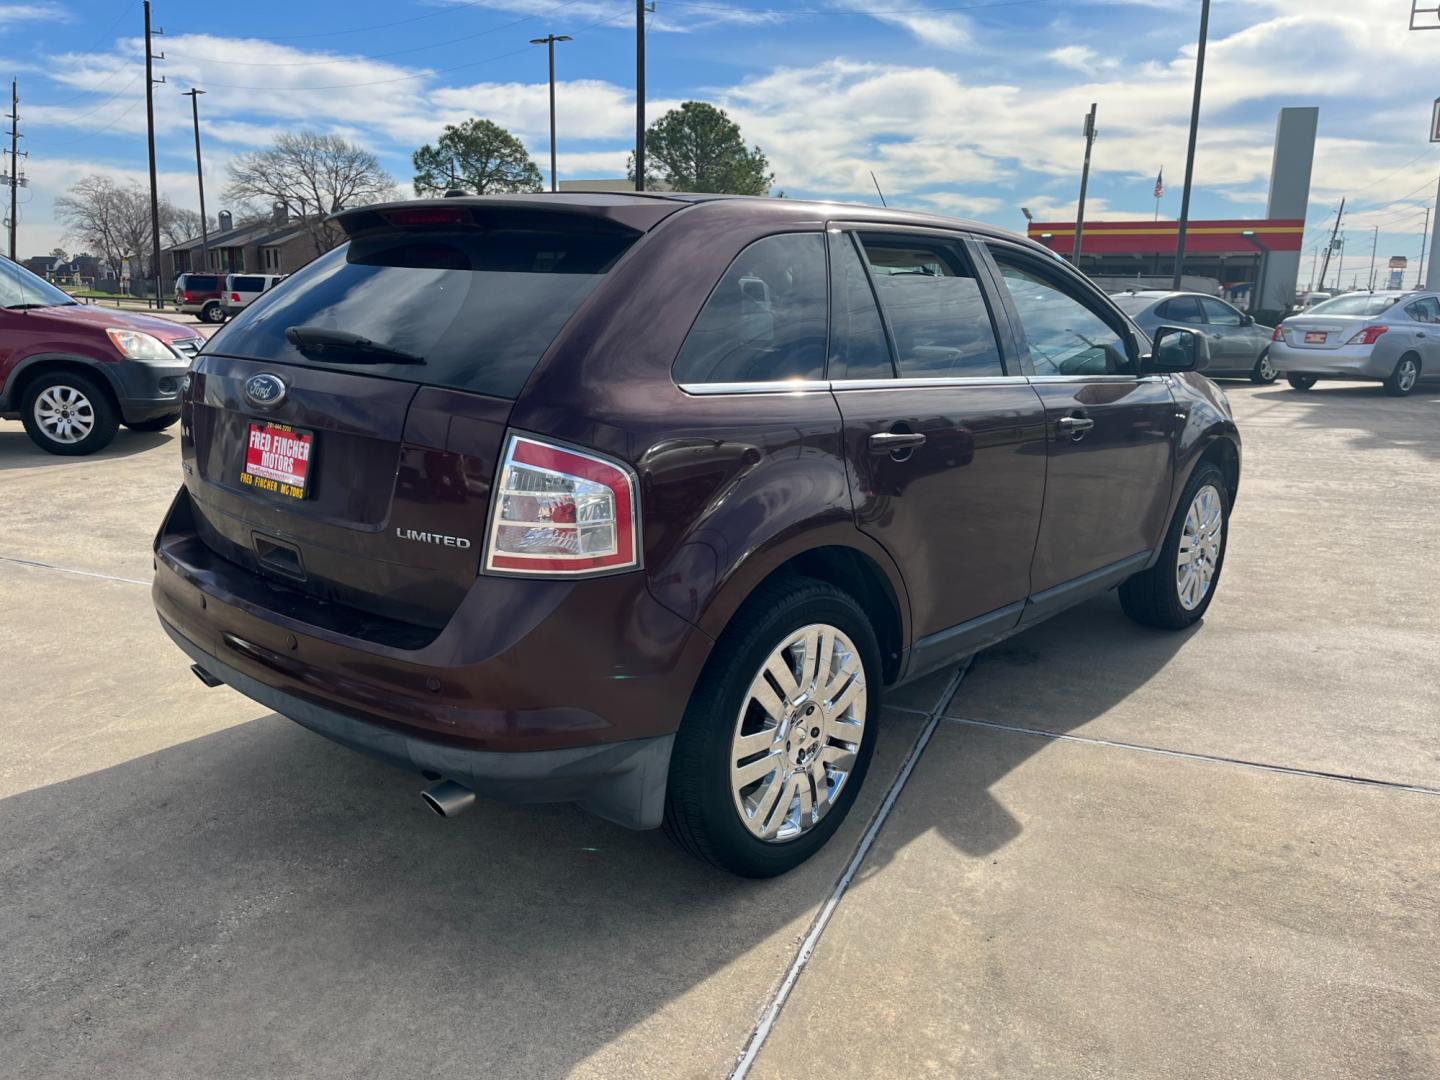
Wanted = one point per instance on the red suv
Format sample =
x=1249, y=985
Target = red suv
x=641, y=501
x=73, y=373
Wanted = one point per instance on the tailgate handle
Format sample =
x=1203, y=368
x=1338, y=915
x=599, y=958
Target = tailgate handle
x=279, y=557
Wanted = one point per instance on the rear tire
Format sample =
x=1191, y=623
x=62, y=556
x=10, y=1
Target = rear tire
x=1165, y=596
x=1301, y=382
x=1405, y=377
x=722, y=805
x=68, y=414
x=155, y=423
x=1263, y=373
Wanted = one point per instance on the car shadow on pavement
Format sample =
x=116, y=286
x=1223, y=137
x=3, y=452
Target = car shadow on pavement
x=260, y=902
x=1370, y=418
x=17, y=451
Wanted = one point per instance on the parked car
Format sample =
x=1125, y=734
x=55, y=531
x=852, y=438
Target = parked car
x=199, y=294
x=73, y=373
x=1239, y=346
x=241, y=290
x=1392, y=336
x=641, y=501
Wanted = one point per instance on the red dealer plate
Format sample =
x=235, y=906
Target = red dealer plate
x=277, y=459
x=1314, y=337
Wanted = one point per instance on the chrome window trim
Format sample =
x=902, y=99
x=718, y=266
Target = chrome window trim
x=1088, y=378
x=924, y=383
x=795, y=386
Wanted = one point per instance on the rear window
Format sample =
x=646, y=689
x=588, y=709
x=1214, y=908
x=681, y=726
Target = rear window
x=1356, y=304
x=200, y=282
x=480, y=308
x=1132, y=304
x=248, y=284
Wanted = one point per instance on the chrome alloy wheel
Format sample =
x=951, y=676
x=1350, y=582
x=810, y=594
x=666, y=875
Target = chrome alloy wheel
x=798, y=733
x=1200, y=540
x=64, y=414
x=1266, y=369
x=1406, y=375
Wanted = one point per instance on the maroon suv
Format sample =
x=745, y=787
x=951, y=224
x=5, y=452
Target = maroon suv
x=640, y=501
x=74, y=373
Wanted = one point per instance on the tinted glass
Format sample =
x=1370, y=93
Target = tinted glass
x=765, y=321
x=858, y=348
x=1184, y=309
x=1218, y=314
x=200, y=282
x=936, y=310
x=1064, y=335
x=248, y=284
x=480, y=307
x=1426, y=310
x=20, y=288
x=1355, y=304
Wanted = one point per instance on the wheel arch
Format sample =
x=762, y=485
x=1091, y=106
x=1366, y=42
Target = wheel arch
x=33, y=367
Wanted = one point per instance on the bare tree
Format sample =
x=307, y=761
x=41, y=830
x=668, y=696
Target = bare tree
x=111, y=217
x=313, y=175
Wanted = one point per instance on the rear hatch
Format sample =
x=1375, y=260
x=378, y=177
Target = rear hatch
x=343, y=431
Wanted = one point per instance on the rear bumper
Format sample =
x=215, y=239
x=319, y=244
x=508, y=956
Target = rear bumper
x=1348, y=361
x=623, y=782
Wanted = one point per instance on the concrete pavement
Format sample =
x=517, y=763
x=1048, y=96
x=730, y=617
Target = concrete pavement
x=195, y=887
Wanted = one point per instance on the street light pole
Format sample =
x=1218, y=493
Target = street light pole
x=194, y=96
x=1084, y=183
x=549, y=41
x=1190, y=152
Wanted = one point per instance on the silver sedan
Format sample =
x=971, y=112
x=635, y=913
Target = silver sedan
x=1239, y=346
x=1391, y=337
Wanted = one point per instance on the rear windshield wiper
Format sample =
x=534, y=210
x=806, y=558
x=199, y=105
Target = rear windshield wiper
x=343, y=347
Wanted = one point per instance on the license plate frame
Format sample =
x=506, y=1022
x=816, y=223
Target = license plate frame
x=1315, y=337
x=271, y=463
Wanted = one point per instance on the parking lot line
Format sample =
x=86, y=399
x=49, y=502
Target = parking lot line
x=1214, y=759
x=822, y=917
x=70, y=570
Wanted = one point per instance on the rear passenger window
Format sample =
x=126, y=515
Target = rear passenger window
x=858, y=349
x=1185, y=309
x=937, y=313
x=765, y=321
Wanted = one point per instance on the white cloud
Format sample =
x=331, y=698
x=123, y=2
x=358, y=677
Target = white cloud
x=12, y=15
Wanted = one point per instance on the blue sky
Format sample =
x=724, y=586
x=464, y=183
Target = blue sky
x=972, y=109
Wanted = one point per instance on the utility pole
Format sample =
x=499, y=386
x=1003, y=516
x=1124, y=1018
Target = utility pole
x=1420, y=277
x=194, y=96
x=1190, y=152
x=1330, y=247
x=1084, y=183
x=150, y=81
x=640, y=9
x=1340, y=266
x=1374, y=246
x=550, y=40
x=14, y=178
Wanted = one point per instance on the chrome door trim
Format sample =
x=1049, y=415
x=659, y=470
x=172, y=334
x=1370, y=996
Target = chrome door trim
x=924, y=383
x=792, y=386
x=810, y=386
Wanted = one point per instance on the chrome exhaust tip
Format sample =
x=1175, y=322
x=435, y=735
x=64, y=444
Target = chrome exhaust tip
x=448, y=799
x=205, y=676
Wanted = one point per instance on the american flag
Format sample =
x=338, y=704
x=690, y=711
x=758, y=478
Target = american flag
x=1160, y=182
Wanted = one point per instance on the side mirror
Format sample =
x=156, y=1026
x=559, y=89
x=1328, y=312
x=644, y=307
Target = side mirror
x=1176, y=348
x=1247, y=320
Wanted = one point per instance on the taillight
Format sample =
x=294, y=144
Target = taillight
x=1368, y=336
x=437, y=215
x=187, y=298
x=235, y=296
x=1278, y=335
x=561, y=511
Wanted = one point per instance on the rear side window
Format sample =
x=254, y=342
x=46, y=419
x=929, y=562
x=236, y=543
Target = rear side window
x=765, y=321
x=937, y=313
x=480, y=308
x=200, y=282
x=1185, y=309
x=249, y=284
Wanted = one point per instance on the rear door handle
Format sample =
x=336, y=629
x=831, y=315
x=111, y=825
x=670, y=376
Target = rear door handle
x=890, y=442
x=1074, y=425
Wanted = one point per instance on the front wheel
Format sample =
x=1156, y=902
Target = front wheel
x=1403, y=379
x=68, y=414
x=1264, y=373
x=1300, y=382
x=1176, y=591
x=213, y=313
x=779, y=732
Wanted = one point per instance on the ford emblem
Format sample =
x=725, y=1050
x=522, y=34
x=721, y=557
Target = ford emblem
x=264, y=390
